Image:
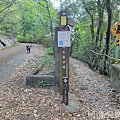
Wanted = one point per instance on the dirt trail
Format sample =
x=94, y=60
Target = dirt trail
x=11, y=58
x=96, y=99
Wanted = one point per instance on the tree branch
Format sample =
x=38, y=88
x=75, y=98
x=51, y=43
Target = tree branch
x=42, y=5
x=2, y=2
x=104, y=55
x=51, y=22
x=92, y=21
x=87, y=9
x=4, y=16
x=6, y=7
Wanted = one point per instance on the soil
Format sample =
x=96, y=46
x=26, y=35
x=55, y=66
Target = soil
x=94, y=97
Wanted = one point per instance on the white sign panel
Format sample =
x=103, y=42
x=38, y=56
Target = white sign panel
x=63, y=38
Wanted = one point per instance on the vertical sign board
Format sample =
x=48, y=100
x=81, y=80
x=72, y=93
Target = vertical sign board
x=64, y=44
x=65, y=89
x=61, y=44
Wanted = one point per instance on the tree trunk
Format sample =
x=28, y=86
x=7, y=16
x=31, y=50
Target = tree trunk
x=92, y=33
x=101, y=7
x=109, y=12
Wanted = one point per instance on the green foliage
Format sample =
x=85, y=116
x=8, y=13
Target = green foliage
x=47, y=61
x=90, y=15
x=47, y=41
x=50, y=51
x=81, y=50
x=29, y=20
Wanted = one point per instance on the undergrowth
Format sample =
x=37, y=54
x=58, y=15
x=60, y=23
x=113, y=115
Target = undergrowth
x=48, y=59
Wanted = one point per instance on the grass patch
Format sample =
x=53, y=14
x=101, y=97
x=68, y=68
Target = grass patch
x=50, y=51
x=47, y=60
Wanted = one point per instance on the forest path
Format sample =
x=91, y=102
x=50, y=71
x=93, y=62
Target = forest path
x=11, y=58
x=92, y=92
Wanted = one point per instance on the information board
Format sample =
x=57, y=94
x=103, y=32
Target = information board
x=63, y=38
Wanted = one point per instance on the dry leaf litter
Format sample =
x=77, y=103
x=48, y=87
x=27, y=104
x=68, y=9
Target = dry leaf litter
x=91, y=92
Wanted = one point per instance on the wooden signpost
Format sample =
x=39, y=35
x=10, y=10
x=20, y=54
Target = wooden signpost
x=70, y=22
x=62, y=45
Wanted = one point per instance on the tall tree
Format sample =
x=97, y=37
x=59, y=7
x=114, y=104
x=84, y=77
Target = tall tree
x=92, y=31
x=109, y=12
x=47, y=7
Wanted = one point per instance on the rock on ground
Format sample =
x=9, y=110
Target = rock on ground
x=7, y=40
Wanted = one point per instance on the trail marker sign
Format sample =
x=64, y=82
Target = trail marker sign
x=65, y=90
x=63, y=18
x=116, y=30
x=63, y=38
